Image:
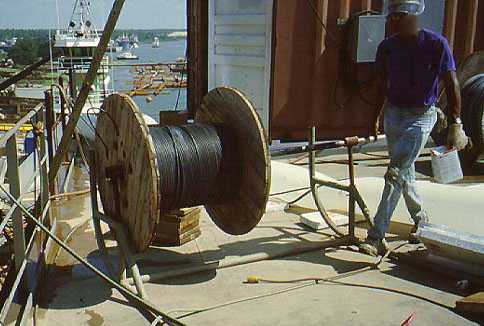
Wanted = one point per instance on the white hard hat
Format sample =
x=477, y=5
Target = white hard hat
x=412, y=7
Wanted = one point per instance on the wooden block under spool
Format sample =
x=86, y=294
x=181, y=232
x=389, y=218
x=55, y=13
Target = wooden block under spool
x=181, y=216
x=163, y=240
x=175, y=228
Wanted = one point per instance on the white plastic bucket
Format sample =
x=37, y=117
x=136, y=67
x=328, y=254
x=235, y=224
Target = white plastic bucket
x=446, y=165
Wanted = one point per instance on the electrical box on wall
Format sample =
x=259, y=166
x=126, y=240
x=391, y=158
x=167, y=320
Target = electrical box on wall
x=369, y=31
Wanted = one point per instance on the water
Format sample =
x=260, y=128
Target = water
x=168, y=51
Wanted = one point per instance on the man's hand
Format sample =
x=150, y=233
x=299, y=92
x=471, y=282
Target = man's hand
x=457, y=137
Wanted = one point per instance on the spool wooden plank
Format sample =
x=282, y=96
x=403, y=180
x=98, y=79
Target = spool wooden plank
x=124, y=140
x=473, y=304
x=230, y=109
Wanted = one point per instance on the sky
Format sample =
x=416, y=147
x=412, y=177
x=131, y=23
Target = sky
x=136, y=14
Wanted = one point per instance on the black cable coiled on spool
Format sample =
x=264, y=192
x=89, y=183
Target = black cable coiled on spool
x=189, y=163
x=473, y=107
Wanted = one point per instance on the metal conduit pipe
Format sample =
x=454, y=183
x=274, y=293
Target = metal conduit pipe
x=314, y=187
x=243, y=260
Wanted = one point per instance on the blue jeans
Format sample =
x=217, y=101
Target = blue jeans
x=407, y=131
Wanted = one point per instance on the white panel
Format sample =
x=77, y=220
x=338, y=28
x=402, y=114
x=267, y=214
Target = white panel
x=241, y=61
x=240, y=29
x=240, y=40
x=230, y=50
x=241, y=78
x=240, y=43
x=240, y=20
x=240, y=7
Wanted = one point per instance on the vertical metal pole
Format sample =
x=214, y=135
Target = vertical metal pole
x=49, y=123
x=44, y=170
x=351, y=203
x=72, y=87
x=14, y=181
x=312, y=155
x=63, y=105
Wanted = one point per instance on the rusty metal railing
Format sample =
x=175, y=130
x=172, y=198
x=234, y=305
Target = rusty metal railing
x=24, y=242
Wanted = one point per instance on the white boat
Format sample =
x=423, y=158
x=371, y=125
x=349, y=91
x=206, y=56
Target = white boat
x=179, y=34
x=156, y=42
x=77, y=44
x=127, y=56
x=134, y=42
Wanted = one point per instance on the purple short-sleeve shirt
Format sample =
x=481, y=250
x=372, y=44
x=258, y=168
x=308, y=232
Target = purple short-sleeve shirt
x=412, y=70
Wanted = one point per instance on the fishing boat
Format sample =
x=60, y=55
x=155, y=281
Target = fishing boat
x=123, y=42
x=77, y=44
x=134, y=41
x=113, y=47
x=127, y=56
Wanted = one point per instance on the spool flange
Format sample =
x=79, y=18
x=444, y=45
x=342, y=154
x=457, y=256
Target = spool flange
x=132, y=196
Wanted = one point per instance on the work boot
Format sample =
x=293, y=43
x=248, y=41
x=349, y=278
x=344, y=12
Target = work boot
x=373, y=247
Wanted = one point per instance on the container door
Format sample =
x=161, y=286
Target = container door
x=240, y=40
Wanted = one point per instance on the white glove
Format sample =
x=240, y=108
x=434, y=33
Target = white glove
x=457, y=137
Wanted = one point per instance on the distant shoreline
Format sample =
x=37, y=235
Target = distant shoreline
x=117, y=29
x=144, y=35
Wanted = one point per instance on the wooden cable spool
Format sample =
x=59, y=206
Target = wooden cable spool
x=127, y=167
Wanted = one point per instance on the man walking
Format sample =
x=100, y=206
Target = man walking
x=411, y=63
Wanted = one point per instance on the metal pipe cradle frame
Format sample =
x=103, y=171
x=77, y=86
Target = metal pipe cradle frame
x=354, y=195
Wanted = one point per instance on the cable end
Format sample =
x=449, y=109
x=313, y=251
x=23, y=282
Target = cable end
x=253, y=279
